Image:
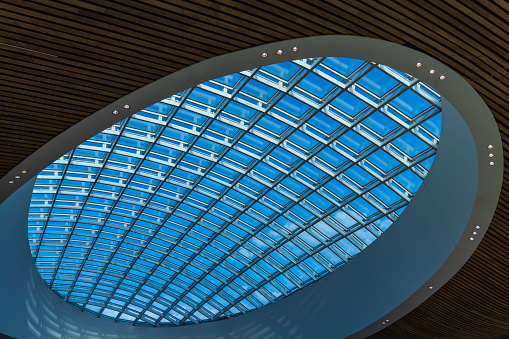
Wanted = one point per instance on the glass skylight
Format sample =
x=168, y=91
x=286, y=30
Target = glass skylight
x=235, y=193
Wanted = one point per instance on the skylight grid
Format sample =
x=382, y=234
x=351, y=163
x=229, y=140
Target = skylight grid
x=235, y=193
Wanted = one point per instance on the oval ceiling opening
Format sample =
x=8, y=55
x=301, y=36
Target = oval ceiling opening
x=235, y=193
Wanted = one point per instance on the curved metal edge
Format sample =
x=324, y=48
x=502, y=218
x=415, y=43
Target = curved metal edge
x=462, y=97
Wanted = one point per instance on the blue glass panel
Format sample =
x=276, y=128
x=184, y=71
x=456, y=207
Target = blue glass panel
x=410, y=103
x=259, y=90
x=292, y=106
x=324, y=123
x=433, y=125
x=354, y=141
x=229, y=80
x=332, y=158
x=409, y=180
x=385, y=194
x=240, y=110
x=410, y=144
x=316, y=85
x=378, y=82
x=159, y=108
x=383, y=161
x=380, y=123
x=284, y=156
x=272, y=125
x=349, y=104
x=284, y=70
x=363, y=207
x=303, y=140
x=428, y=162
x=344, y=66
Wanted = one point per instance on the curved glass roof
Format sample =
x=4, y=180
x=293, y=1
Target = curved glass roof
x=235, y=193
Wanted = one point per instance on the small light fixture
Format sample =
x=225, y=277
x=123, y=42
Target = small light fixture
x=24, y=172
x=442, y=77
x=490, y=155
x=474, y=233
x=431, y=71
x=431, y=287
x=492, y=163
x=126, y=106
x=490, y=146
x=115, y=112
x=279, y=52
x=471, y=238
x=387, y=320
x=477, y=226
x=17, y=177
x=264, y=55
x=383, y=322
x=295, y=49
x=418, y=64
x=11, y=182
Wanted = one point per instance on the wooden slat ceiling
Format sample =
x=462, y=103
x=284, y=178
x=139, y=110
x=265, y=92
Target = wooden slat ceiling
x=79, y=56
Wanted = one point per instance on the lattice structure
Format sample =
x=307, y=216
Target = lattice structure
x=235, y=193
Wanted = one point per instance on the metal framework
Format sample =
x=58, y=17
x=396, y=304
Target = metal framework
x=235, y=193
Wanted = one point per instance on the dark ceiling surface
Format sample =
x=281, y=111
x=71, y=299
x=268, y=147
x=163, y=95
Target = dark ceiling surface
x=61, y=61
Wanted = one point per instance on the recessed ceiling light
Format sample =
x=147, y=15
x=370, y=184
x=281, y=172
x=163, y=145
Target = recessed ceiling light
x=17, y=177
x=264, y=55
x=490, y=146
x=490, y=155
x=11, y=182
x=115, y=112
x=431, y=71
x=442, y=77
x=431, y=287
x=126, y=106
x=492, y=163
x=477, y=226
x=474, y=233
x=471, y=238
x=280, y=52
x=418, y=64
x=295, y=49
x=23, y=171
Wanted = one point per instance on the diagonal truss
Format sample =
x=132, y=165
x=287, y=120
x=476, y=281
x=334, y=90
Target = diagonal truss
x=235, y=193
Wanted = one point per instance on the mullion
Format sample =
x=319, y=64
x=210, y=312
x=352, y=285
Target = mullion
x=113, y=143
x=64, y=169
x=255, y=162
x=131, y=175
x=315, y=150
x=300, y=124
x=189, y=147
x=259, y=255
x=121, y=241
x=351, y=230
